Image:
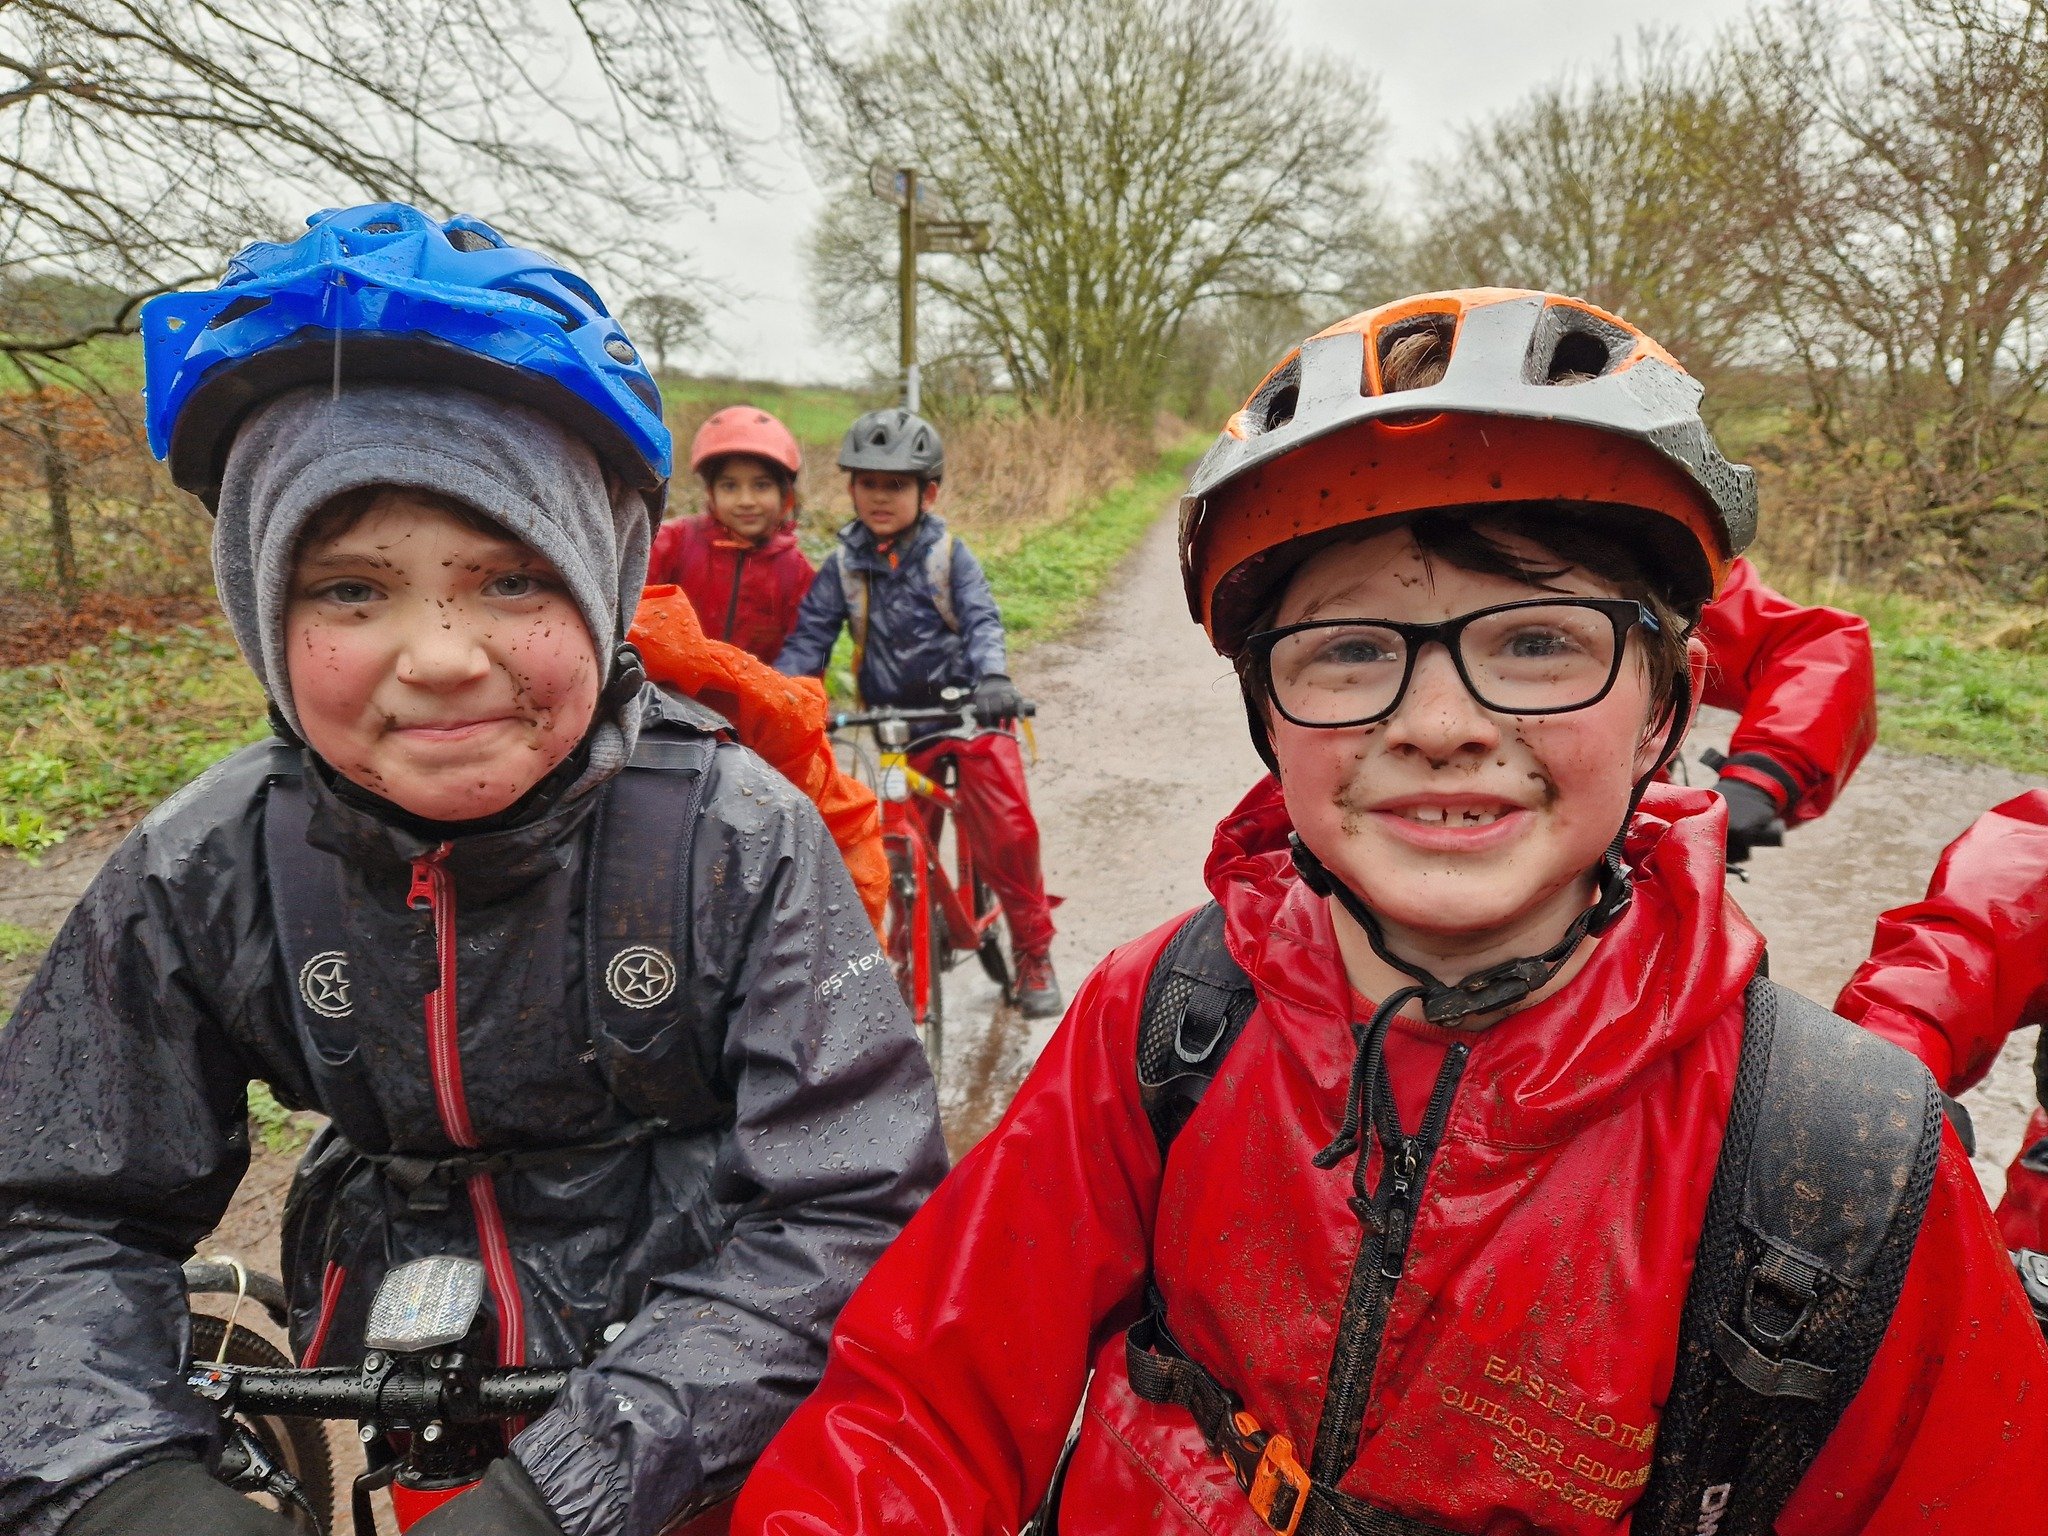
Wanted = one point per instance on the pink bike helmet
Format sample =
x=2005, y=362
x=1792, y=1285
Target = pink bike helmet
x=745, y=429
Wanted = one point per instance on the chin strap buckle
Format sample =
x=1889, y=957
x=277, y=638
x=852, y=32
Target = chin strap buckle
x=1273, y=1480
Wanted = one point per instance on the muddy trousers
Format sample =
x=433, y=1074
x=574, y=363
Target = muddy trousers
x=2023, y=1213
x=994, y=808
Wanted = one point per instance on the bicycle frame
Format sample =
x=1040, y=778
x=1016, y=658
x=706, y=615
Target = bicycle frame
x=907, y=835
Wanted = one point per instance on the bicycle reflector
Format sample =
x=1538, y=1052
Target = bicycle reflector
x=425, y=1304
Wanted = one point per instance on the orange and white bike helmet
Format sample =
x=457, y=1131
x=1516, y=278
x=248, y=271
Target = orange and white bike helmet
x=1545, y=399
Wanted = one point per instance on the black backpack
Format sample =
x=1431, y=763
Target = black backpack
x=1816, y=1205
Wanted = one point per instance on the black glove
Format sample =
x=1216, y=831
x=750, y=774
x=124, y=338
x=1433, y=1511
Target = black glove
x=173, y=1496
x=1753, y=820
x=996, y=700
x=505, y=1503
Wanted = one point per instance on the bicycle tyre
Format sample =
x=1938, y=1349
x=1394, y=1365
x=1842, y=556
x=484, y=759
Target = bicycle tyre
x=298, y=1445
x=937, y=954
x=994, y=963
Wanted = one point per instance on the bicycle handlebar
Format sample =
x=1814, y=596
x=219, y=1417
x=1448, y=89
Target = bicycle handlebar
x=960, y=714
x=341, y=1392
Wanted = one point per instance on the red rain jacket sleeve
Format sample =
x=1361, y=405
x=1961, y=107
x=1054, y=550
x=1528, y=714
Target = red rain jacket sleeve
x=1958, y=1382
x=1804, y=683
x=1949, y=977
x=957, y=1368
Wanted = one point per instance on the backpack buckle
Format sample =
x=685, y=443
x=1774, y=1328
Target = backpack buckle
x=1279, y=1484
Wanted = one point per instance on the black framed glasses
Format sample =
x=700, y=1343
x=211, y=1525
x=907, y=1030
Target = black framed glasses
x=1543, y=656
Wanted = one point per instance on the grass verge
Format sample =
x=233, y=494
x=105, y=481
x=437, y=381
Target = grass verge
x=1942, y=689
x=113, y=728
x=1047, y=581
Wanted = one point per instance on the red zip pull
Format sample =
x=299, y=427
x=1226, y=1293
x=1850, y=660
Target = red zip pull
x=426, y=877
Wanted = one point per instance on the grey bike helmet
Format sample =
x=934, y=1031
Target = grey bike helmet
x=1544, y=399
x=894, y=441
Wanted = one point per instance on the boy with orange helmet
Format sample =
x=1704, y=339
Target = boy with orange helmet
x=738, y=560
x=1455, y=1169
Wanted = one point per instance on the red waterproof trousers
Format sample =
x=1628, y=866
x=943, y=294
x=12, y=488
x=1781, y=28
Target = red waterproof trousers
x=994, y=808
x=1951, y=975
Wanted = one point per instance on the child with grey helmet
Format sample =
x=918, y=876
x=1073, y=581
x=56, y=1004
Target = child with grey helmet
x=923, y=621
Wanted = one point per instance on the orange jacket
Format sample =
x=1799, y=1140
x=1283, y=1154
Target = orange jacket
x=781, y=718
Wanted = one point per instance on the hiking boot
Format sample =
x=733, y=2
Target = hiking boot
x=1036, y=990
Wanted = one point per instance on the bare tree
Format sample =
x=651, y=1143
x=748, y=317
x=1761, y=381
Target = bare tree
x=142, y=140
x=1912, y=263
x=1638, y=189
x=1137, y=158
x=665, y=323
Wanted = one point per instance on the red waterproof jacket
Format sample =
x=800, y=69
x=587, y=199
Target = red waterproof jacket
x=1532, y=1338
x=1803, y=682
x=1950, y=977
x=745, y=594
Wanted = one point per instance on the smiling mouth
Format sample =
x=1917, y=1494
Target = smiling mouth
x=1453, y=815
x=448, y=729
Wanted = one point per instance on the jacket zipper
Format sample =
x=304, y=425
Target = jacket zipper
x=1381, y=1261
x=433, y=892
x=732, y=606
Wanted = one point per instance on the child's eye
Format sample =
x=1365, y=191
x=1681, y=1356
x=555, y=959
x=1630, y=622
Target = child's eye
x=350, y=593
x=514, y=584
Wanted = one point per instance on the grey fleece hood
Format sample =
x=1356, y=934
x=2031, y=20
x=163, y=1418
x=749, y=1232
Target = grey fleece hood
x=516, y=466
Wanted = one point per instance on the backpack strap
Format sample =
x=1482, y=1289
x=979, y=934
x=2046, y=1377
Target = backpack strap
x=1196, y=1002
x=938, y=574
x=1823, y=1178
x=853, y=585
x=309, y=903
x=659, y=1059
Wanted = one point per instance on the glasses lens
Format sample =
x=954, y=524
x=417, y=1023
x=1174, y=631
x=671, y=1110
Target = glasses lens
x=1339, y=674
x=1543, y=657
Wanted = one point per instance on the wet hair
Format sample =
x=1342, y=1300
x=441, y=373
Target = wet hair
x=1476, y=540
x=337, y=516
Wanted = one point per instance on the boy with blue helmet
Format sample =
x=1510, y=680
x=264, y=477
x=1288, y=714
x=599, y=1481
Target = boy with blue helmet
x=923, y=620
x=575, y=979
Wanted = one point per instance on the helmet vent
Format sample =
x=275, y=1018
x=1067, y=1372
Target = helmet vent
x=1572, y=345
x=468, y=240
x=569, y=318
x=1580, y=356
x=1416, y=353
x=1274, y=405
x=248, y=304
x=382, y=227
x=644, y=392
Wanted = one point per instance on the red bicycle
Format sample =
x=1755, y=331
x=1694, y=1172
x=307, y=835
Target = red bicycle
x=934, y=917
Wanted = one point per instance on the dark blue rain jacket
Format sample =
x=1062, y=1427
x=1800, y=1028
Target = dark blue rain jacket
x=724, y=1251
x=911, y=652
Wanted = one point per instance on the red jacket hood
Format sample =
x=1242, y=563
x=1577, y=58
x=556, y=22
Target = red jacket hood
x=1676, y=960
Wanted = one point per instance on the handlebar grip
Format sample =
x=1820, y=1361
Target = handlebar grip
x=520, y=1391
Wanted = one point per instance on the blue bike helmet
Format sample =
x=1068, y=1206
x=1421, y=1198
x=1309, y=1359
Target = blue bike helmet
x=384, y=293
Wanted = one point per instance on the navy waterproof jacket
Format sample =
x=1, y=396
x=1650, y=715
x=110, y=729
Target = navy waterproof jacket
x=911, y=651
x=722, y=1250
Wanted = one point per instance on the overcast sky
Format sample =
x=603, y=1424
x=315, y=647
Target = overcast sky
x=1440, y=66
